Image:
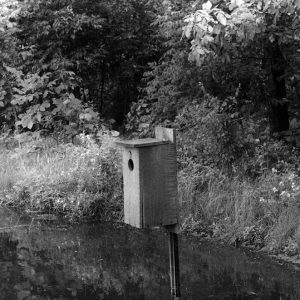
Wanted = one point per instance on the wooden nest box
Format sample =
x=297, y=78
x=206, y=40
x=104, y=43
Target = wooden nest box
x=150, y=180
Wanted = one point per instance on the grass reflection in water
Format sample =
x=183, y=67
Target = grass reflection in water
x=104, y=261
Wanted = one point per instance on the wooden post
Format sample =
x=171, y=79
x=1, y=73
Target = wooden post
x=168, y=134
x=174, y=266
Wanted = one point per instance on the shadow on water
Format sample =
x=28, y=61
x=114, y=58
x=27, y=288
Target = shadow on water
x=104, y=261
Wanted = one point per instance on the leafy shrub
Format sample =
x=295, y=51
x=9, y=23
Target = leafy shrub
x=235, y=178
x=215, y=134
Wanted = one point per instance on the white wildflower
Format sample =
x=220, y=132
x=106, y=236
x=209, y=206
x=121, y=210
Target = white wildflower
x=292, y=176
x=261, y=199
x=285, y=194
x=296, y=188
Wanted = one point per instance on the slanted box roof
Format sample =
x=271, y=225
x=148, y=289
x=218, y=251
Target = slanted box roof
x=139, y=143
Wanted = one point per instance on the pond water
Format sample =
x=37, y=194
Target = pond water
x=108, y=261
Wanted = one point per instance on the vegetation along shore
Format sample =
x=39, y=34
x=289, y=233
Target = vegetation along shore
x=225, y=74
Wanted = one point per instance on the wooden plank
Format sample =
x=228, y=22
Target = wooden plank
x=132, y=197
x=170, y=197
x=152, y=184
x=148, y=142
x=166, y=134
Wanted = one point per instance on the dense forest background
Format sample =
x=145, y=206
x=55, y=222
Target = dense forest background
x=224, y=73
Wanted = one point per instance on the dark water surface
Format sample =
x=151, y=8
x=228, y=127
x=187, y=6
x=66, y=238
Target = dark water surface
x=105, y=261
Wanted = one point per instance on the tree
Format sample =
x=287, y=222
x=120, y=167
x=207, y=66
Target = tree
x=77, y=60
x=265, y=32
x=171, y=81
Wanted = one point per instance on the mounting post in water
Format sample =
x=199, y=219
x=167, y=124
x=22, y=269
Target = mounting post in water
x=150, y=190
x=174, y=266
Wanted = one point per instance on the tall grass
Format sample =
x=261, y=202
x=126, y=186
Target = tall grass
x=263, y=212
x=75, y=181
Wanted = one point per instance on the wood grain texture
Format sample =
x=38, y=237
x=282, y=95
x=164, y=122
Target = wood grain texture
x=166, y=134
x=150, y=189
x=131, y=179
x=151, y=185
x=171, y=204
x=139, y=143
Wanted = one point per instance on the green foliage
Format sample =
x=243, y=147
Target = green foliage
x=265, y=34
x=228, y=29
x=46, y=101
x=216, y=134
x=106, y=44
x=67, y=61
x=172, y=81
x=235, y=181
x=223, y=73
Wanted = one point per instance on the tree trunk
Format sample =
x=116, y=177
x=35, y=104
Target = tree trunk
x=279, y=116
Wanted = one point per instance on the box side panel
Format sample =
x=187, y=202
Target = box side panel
x=152, y=185
x=131, y=179
x=169, y=160
x=170, y=206
x=165, y=134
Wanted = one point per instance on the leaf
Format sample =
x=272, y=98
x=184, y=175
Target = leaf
x=232, y=6
x=217, y=29
x=207, y=5
x=227, y=58
x=29, y=97
x=29, y=124
x=45, y=94
x=1, y=104
x=239, y=2
x=88, y=117
x=39, y=116
x=271, y=38
x=222, y=19
x=210, y=29
x=71, y=96
x=188, y=30
x=18, y=91
x=46, y=104
x=207, y=39
x=14, y=71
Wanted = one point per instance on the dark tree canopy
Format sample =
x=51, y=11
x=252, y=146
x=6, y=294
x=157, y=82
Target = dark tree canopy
x=69, y=64
x=77, y=60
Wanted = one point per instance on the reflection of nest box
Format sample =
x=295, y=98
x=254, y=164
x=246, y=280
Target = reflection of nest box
x=150, y=180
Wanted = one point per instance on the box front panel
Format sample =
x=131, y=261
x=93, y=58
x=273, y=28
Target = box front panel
x=131, y=178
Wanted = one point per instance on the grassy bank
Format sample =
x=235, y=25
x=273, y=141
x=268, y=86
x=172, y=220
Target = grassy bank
x=74, y=181
x=261, y=213
x=84, y=181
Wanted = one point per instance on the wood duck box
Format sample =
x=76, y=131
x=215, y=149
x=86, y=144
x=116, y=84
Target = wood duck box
x=150, y=180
